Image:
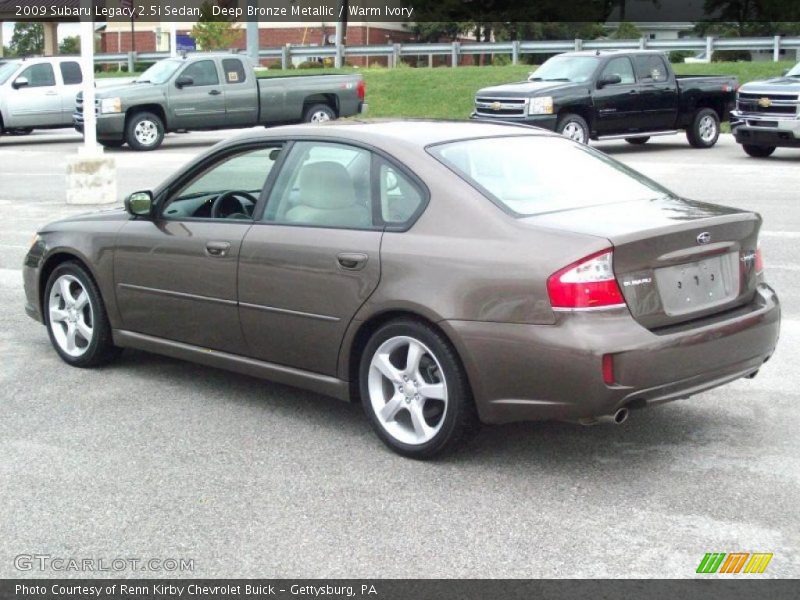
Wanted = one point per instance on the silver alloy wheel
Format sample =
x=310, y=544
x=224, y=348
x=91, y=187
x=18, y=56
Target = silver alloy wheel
x=410, y=402
x=146, y=132
x=320, y=116
x=707, y=128
x=71, y=315
x=575, y=132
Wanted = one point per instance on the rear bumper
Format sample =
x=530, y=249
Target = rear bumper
x=765, y=132
x=535, y=372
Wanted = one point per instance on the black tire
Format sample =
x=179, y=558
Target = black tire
x=637, y=141
x=111, y=143
x=19, y=131
x=697, y=134
x=101, y=349
x=313, y=112
x=572, y=122
x=456, y=423
x=146, y=120
x=758, y=151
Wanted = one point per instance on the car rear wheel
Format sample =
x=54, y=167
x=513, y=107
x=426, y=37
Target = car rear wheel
x=704, y=129
x=574, y=127
x=144, y=131
x=637, y=141
x=319, y=113
x=414, y=390
x=758, y=151
x=76, y=318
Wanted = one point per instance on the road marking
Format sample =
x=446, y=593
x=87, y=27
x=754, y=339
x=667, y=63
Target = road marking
x=783, y=267
x=792, y=235
x=12, y=246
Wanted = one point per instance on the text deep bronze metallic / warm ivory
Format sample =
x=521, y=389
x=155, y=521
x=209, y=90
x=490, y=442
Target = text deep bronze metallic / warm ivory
x=443, y=274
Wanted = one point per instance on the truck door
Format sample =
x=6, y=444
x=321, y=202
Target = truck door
x=617, y=105
x=196, y=98
x=659, y=92
x=36, y=103
x=71, y=79
x=241, y=93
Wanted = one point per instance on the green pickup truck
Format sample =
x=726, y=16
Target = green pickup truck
x=215, y=91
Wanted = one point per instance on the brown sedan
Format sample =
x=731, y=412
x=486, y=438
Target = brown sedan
x=441, y=273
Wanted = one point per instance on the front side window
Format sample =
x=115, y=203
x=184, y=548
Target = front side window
x=234, y=71
x=71, y=73
x=620, y=66
x=530, y=175
x=160, y=72
x=203, y=72
x=650, y=67
x=323, y=184
x=229, y=189
x=40, y=75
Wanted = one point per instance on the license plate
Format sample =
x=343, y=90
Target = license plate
x=698, y=285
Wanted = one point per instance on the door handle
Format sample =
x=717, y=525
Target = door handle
x=352, y=261
x=214, y=93
x=217, y=249
x=51, y=93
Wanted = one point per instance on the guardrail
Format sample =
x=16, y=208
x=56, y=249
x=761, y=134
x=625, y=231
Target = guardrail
x=455, y=50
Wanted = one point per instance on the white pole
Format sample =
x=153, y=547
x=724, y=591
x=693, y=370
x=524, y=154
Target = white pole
x=87, y=66
x=173, y=39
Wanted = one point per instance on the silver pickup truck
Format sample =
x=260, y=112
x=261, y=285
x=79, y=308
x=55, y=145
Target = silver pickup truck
x=215, y=91
x=767, y=114
x=38, y=93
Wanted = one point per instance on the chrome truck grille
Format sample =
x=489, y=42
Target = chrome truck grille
x=501, y=107
x=768, y=105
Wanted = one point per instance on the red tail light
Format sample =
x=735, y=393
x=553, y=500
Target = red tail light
x=759, y=260
x=361, y=90
x=608, y=369
x=585, y=284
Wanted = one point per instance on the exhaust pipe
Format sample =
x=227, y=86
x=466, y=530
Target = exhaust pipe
x=618, y=418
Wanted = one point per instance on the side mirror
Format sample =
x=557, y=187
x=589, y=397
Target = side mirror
x=609, y=80
x=184, y=81
x=139, y=204
x=20, y=82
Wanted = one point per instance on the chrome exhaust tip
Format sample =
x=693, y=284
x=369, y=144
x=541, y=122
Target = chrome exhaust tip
x=617, y=418
x=621, y=416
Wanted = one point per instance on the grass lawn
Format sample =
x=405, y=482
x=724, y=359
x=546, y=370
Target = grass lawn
x=447, y=93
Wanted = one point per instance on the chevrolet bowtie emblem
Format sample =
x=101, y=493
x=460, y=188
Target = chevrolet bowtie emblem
x=764, y=102
x=496, y=106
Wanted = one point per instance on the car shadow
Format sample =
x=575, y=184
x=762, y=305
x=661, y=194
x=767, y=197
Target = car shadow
x=30, y=140
x=636, y=445
x=626, y=148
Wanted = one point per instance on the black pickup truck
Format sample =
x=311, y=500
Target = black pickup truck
x=631, y=95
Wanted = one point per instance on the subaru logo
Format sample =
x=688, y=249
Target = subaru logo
x=704, y=238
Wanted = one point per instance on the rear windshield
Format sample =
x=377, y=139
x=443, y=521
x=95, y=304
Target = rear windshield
x=529, y=175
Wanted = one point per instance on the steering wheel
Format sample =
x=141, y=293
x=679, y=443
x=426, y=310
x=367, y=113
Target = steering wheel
x=229, y=205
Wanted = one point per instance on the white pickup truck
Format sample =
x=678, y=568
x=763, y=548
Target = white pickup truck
x=38, y=93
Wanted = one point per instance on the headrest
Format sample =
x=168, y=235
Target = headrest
x=325, y=185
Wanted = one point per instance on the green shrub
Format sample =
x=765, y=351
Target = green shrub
x=731, y=56
x=678, y=56
x=501, y=60
x=310, y=64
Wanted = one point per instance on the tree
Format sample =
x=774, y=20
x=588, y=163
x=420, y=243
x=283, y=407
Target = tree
x=626, y=31
x=212, y=34
x=27, y=40
x=70, y=45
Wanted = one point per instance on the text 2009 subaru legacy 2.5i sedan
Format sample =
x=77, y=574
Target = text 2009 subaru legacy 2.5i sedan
x=442, y=273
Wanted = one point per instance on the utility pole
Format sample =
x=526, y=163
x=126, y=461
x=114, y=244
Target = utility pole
x=341, y=32
x=253, y=42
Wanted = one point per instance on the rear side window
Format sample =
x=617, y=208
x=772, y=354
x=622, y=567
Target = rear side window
x=40, y=75
x=203, y=72
x=400, y=199
x=71, y=73
x=234, y=71
x=650, y=67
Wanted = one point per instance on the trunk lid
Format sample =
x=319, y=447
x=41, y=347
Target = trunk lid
x=675, y=260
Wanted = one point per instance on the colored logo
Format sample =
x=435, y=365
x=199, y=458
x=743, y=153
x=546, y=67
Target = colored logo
x=764, y=102
x=496, y=106
x=704, y=238
x=735, y=562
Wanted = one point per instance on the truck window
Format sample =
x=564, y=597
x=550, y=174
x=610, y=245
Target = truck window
x=40, y=75
x=650, y=68
x=203, y=72
x=71, y=73
x=620, y=66
x=234, y=70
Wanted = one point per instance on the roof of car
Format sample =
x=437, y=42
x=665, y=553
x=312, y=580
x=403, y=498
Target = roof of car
x=609, y=52
x=414, y=132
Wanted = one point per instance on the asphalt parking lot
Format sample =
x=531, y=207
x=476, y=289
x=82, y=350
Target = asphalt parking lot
x=157, y=458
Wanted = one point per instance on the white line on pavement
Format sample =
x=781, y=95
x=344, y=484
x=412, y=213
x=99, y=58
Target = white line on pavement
x=781, y=234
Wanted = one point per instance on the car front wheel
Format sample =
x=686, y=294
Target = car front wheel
x=574, y=127
x=76, y=318
x=414, y=390
x=144, y=131
x=758, y=151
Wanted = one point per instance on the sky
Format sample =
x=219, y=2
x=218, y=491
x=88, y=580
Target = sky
x=64, y=30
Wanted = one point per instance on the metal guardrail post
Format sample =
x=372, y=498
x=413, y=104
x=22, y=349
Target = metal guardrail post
x=454, y=54
x=338, y=60
x=642, y=43
x=131, y=61
x=709, y=47
x=286, y=56
x=515, y=52
x=578, y=44
x=776, y=51
x=396, y=54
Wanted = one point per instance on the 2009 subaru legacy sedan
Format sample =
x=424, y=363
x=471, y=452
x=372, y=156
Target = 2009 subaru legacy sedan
x=444, y=274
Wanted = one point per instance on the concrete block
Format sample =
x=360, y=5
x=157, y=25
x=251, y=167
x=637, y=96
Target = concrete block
x=91, y=179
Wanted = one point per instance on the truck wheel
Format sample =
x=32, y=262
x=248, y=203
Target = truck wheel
x=704, y=130
x=637, y=141
x=144, y=131
x=574, y=127
x=319, y=113
x=758, y=151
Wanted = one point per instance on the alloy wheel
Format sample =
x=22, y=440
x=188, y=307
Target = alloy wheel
x=320, y=116
x=707, y=128
x=574, y=131
x=71, y=315
x=146, y=132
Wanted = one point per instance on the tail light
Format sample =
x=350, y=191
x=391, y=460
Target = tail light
x=586, y=284
x=361, y=89
x=759, y=260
